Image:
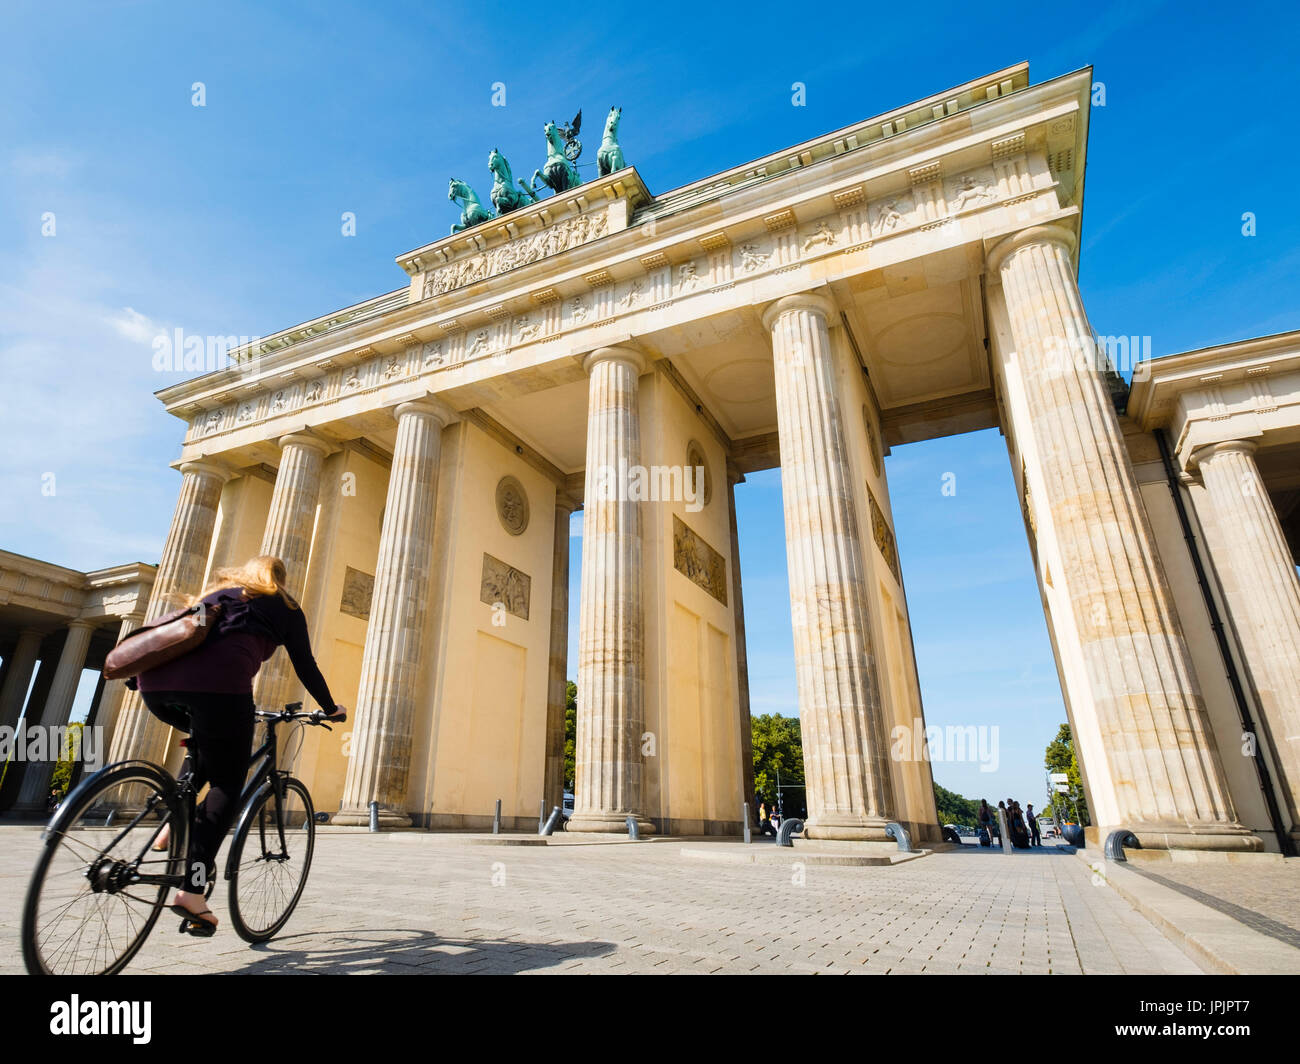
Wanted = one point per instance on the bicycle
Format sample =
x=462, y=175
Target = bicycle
x=105, y=830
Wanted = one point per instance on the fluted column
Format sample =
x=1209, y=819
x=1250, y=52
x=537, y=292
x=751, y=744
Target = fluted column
x=290, y=522
x=611, y=636
x=110, y=699
x=1155, y=733
x=744, y=725
x=1263, y=596
x=382, y=733
x=18, y=676
x=558, y=688
x=138, y=733
x=58, y=705
x=844, y=736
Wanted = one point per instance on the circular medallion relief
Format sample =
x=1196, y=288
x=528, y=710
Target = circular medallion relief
x=873, y=441
x=512, y=505
x=695, y=461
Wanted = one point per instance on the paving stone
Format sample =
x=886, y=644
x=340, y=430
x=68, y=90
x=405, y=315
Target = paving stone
x=588, y=909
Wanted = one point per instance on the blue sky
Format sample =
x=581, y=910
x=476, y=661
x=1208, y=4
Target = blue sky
x=225, y=219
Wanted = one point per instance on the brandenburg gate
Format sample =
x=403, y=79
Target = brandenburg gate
x=416, y=459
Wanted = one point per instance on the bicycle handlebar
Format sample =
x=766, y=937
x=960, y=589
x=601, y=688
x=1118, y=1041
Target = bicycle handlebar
x=293, y=711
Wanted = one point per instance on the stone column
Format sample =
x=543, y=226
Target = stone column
x=611, y=639
x=845, y=738
x=557, y=691
x=382, y=733
x=18, y=677
x=1263, y=596
x=1169, y=783
x=734, y=477
x=138, y=733
x=110, y=701
x=290, y=522
x=58, y=706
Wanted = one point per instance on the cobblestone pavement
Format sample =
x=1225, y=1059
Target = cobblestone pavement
x=420, y=903
x=1263, y=896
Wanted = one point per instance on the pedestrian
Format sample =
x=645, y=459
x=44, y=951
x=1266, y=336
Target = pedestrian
x=985, y=818
x=1035, y=836
x=1019, y=833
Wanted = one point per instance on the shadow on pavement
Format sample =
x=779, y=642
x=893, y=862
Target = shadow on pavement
x=404, y=951
x=1033, y=851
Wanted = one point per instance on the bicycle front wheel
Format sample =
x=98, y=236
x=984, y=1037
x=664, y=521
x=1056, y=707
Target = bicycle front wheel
x=98, y=887
x=269, y=860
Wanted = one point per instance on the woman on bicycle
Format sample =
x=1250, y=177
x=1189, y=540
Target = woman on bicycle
x=209, y=694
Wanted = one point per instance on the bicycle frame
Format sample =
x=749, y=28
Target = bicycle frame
x=262, y=761
x=264, y=757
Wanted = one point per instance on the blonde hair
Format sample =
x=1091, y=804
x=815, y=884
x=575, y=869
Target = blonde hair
x=263, y=575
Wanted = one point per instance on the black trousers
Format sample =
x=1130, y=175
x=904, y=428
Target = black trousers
x=220, y=727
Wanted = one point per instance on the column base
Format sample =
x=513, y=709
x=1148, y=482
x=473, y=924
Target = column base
x=843, y=827
x=608, y=823
x=1155, y=836
x=389, y=819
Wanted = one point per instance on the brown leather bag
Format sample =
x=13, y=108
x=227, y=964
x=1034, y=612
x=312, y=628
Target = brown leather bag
x=161, y=640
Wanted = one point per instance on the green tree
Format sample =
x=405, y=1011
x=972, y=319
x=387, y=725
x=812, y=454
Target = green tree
x=570, y=733
x=778, y=748
x=954, y=809
x=61, y=777
x=1060, y=757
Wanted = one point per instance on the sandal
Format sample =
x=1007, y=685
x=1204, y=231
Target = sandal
x=192, y=925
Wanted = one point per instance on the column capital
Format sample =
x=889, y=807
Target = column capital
x=83, y=622
x=426, y=407
x=734, y=475
x=623, y=353
x=1052, y=233
x=206, y=467
x=566, y=502
x=305, y=439
x=1211, y=450
x=813, y=301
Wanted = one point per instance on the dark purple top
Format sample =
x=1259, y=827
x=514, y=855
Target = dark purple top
x=247, y=634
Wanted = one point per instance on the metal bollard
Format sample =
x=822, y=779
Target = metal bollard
x=896, y=831
x=1117, y=840
x=1002, y=826
x=374, y=816
x=496, y=819
x=632, y=831
x=789, y=827
x=744, y=816
x=551, y=822
x=541, y=817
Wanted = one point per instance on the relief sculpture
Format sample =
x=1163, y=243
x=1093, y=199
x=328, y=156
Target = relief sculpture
x=884, y=536
x=699, y=562
x=507, y=585
x=520, y=252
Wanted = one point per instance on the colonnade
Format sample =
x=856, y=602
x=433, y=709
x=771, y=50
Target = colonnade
x=1165, y=767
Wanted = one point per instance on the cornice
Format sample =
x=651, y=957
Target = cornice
x=1158, y=383
x=493, y=307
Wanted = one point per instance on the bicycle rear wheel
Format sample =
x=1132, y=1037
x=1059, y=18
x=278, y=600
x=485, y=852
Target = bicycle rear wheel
x=87, y=912
x=268, y=866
